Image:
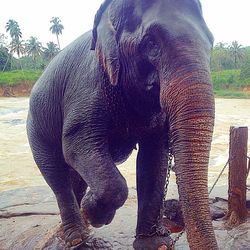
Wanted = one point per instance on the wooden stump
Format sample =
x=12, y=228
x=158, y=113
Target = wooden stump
x=237, y=211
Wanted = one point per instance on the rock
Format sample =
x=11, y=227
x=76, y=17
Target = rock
x=29, y=219
x=173, y=214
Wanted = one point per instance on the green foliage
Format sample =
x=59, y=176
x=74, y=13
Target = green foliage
x=4, y=56
x=221, y=58
x=19, y=76
x=31, y=54
x=33, y=48
x=3, y=40
x=237, y=53
x=228, y=83
x=13, y=28
x=51, y=51
x=230, y=64
x=220, y=78
x=228, y=56
x=16, y=44
x=27, y=63
x=56, y=28
x=230, y=94
x=245, y=68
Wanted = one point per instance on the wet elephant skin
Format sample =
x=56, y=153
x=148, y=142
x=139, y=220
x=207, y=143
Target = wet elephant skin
x=141, y=76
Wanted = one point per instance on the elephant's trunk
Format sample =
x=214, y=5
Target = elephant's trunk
x=189, y=103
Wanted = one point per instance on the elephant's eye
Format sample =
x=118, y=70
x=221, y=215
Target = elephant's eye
x=150, y=46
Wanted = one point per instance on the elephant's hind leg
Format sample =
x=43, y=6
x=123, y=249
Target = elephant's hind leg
x=56, y=172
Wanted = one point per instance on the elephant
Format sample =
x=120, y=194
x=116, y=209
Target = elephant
x=141, y=77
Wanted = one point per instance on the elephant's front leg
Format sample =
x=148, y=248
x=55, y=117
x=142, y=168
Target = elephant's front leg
x=107, y=187
x=151, y=176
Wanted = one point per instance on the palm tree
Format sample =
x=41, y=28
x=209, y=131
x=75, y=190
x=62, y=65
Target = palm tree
x=236, y=52
x=50, y=51
x=13, y=28
x=3, y=42
x=220, y=45
x=17, y=46
x=4, y=58
x=33, y=48
x=56, y=28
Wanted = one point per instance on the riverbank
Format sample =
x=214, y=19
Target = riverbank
x=19, y=84
x=23, y=89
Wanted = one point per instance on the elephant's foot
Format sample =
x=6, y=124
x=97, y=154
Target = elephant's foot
x=96, y=213
x=153, y=243
x=75, y=234
x=93, y=243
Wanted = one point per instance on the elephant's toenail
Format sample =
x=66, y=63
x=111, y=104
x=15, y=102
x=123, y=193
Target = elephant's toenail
x=76, y=242
x=163, y=248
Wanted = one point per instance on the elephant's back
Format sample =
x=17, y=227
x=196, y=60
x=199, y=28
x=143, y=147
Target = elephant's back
x=47, y=97
x=66, y=65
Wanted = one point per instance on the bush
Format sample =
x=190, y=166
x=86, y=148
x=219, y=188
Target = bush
x=4, y=59
x=226, y=77
x=245, y=71
x=18, y=76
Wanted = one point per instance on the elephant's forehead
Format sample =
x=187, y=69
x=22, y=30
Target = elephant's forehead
x=176, y=17
x=170, y=5
x=171, y=17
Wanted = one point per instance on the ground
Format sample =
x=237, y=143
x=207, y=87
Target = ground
x=29, y=218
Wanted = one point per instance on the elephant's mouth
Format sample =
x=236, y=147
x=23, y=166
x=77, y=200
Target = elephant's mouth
x=151, y=85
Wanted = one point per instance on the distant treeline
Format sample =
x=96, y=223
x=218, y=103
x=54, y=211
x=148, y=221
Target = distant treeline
x=229, y=57
x=230, y=63
x=31, y=54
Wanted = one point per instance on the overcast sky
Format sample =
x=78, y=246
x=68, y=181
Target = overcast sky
x=228, y=20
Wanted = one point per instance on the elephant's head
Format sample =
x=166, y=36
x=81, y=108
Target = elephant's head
x=159, y=51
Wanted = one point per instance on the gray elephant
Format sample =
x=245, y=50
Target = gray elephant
x=146, y=81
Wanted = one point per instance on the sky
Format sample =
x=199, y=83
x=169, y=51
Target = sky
x=228, y=20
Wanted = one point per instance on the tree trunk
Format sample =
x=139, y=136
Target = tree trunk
x=237, y=211
x=57, y=37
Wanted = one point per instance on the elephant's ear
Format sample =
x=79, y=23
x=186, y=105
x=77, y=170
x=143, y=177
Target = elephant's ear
x=105, y=44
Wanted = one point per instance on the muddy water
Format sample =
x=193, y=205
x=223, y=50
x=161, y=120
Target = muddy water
x=17, y=168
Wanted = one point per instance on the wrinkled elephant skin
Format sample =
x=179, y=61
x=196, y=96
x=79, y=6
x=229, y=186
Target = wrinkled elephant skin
x=140, y=77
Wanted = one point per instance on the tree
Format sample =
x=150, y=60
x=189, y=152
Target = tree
x=13, y=28
x=51, y=51
x=17, y=46
x=3, y=42
x=4, y=56
x=56, y=28
x=236, y=52
x=221, y=58
x=33, y=48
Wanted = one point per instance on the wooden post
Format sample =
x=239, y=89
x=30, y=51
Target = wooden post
x=237, y=211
